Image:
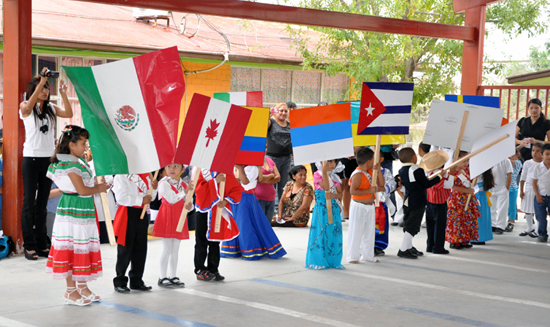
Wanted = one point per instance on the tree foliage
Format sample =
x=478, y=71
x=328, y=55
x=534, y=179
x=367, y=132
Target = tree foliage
x=540, y=57
x=368, y=56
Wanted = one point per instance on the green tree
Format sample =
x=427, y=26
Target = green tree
x=540, y=58
x=367, y=56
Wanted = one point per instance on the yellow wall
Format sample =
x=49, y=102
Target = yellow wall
x=218, y=80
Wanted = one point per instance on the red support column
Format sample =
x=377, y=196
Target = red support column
x=17, y=73
x=472, y=55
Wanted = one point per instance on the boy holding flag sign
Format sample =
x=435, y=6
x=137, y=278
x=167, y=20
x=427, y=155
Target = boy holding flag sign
x=210, y=140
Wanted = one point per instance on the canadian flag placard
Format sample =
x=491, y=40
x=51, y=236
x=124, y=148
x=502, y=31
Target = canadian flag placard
x=212, y=134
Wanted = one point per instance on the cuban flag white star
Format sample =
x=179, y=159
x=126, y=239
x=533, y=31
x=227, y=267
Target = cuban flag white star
x=369, y=109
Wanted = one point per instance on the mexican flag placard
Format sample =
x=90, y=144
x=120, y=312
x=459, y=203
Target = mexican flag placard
x=131, y=108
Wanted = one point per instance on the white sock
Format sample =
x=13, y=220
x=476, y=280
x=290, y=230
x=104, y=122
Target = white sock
x=529, y=219
x=407, y=242
x=164, y=256
x=173, y=261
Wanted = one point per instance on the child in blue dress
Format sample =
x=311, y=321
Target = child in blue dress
x=485, y=183
x=257, y=238
x=324, y=248
x=514, y=188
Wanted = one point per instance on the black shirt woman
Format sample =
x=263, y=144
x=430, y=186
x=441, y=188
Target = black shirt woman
x=532, y=129
x=39, y=117
x=279, y=145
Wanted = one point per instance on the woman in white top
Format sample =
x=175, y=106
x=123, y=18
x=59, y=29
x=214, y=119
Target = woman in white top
x=39, y=118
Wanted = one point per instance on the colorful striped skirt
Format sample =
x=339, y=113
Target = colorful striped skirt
x=257, y=238
x=75, y=240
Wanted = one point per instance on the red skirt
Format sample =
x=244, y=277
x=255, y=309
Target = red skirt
x=167, y=221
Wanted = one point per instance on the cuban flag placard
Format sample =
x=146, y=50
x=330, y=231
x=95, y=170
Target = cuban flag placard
x=212, y=134
x=385, y=108
x=244, y=99
x=321, y=133
x=367, y=140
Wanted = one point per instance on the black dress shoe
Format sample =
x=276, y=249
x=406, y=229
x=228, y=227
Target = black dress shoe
x=509, y=227
x=406, y=254
x=122, y=289
x=142, y=287
x=499, y=231
x=416, y=252
x=378, y=252
x=442, y=251
x=394, y=224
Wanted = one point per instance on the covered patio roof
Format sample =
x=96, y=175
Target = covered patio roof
x=93, y=29
x=537, y=78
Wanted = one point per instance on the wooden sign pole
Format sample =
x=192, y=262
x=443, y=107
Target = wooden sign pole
x=461, y=135
x=107, y=215
x=375, y=173
x=188, y=199
x=219, y=210
x=328, y=201
x=150, y=192
x=469, y=195
x=476, y=152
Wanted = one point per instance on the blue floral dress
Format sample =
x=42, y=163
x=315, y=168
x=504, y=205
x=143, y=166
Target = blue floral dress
x=324, y=248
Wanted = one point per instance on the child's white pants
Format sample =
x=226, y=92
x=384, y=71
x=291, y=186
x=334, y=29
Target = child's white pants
x=361, y=232
x=499, y=209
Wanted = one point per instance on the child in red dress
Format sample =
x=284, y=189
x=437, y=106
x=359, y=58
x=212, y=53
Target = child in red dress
x=172, y=190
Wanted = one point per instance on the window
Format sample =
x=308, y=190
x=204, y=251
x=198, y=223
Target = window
x=245, y=79
x=276, y=85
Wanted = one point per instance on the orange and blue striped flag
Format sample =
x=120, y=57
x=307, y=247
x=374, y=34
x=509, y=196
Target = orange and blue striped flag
x=321, y=133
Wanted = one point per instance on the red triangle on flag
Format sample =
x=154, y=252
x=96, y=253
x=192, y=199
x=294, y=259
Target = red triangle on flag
x=370, y=109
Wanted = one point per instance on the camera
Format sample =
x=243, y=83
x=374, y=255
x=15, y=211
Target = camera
x=49, y=73
x=44, y=129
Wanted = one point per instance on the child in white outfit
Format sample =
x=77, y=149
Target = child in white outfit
x=527, y=194
x=500, y=198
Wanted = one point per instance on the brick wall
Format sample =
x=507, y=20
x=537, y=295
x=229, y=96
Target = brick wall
x=218, y=80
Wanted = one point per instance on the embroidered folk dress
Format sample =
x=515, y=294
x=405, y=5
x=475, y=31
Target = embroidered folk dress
x=257, y=238
x=462, y=226
x=75, y=238
x=324, y=248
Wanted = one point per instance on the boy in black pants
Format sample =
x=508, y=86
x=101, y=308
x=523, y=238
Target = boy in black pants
x=415, y=181
x=207, y=245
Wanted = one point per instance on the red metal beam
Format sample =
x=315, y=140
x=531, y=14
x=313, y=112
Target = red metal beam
x=303, y=16
x=472, y=53
x=17, y=73
x=462, y=5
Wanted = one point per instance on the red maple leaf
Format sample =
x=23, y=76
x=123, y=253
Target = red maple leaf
x=212, y=131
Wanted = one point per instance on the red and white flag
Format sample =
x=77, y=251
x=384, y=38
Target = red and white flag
x=212, y=134
x=371, y=108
